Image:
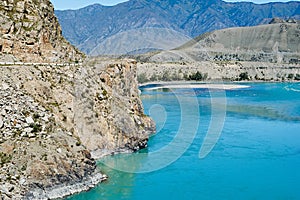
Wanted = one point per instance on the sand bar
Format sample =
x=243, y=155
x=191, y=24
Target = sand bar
x=218, y=86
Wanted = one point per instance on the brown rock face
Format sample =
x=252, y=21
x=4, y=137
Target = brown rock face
x=54, y=120
x=30, y=32
x=109, y=115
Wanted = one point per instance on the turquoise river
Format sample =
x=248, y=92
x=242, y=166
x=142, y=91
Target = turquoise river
x=250, y=138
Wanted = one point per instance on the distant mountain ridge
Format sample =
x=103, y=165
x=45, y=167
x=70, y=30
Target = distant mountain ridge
x=88, y=27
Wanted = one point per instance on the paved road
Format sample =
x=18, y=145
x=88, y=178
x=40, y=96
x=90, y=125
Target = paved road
x=44, y=64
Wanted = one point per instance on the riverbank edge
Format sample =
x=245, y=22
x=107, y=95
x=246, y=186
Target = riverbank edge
x=65, y=190
x=205, y=84
x=181, y=82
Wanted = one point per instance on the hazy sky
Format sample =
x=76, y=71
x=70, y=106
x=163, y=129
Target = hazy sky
x=75, y=4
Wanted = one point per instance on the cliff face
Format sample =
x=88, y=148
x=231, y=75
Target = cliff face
x=37, y=153
x=109, y=115
x=53, y=117
x=29, y=32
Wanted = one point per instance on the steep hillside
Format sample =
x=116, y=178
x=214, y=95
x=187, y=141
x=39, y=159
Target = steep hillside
x=139, y=41
x=260, y=53
x=89, y=27
x=56, y=118
x=29, y=32
x=275, y=43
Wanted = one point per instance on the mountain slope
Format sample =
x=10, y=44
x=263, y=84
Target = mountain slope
x=88, y=27
x=278, y=43
x=139, y=41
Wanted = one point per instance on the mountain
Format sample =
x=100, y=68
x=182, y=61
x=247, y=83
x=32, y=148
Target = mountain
x=269, y=52
x=140, y=41
x=277, y=42
x=30, y=32
x=92, y=27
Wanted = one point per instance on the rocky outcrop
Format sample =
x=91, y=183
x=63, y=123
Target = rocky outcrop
x=53, y=117
x=29, y=32
x=109, y=115
x=36, y=152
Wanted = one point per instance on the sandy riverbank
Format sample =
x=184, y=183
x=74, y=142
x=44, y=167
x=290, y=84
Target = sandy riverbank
x=186, y=84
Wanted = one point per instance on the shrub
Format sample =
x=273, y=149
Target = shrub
x=198, y=76
x=243, y=76
x=290, y=76
x=153, y=77
x=104, y=92
x=4, y=158
x=142, y=78
x=35, y=128
x=166, y=76
x=297, y=77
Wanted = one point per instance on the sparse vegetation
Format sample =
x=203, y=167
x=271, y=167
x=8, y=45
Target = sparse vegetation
x=104, y=92
x=35, y=128
x=55, y=104
x=44, y=157
x=166, y=76
x=290, y=76
x=154, y=77
x=198, y=76
x=142, y=78
x=4, y=158
x=297, y=77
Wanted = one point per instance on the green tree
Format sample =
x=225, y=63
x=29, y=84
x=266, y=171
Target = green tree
x=243, y=76
x=196, y=77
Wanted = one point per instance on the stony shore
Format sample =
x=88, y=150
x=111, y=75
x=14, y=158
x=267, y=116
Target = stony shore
x=63, y=190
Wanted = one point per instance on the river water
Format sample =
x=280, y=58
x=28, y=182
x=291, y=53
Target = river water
x=212, y=144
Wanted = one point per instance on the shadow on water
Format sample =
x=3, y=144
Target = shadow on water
x=261, y=111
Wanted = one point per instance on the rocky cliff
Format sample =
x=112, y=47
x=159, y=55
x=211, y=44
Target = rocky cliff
x=30, y=32
x=53, y=117
x=109, y=115
x=56, y=118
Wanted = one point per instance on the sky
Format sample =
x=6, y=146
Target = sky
x=75, y=4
